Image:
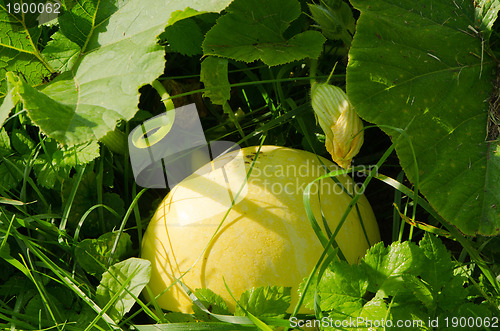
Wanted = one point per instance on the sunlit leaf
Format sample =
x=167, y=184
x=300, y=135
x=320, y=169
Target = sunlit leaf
x=19, y=46
x=119, y=53
x=255, y=29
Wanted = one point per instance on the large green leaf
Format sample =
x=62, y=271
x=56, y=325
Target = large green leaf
x=19, y=46
x=118, y=54
x=421, y=65
x=256, y=29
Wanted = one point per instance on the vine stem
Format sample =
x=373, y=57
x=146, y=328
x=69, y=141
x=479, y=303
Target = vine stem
x=165, y=97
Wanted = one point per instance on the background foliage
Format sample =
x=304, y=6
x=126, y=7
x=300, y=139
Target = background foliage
x=422, y=73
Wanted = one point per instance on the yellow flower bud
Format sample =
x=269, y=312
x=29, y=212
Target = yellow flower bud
x=342, y=126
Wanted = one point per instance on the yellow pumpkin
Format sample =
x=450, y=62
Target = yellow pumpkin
x=266, y=238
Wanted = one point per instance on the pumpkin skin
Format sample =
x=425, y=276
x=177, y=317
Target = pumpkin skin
x=266, y=238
